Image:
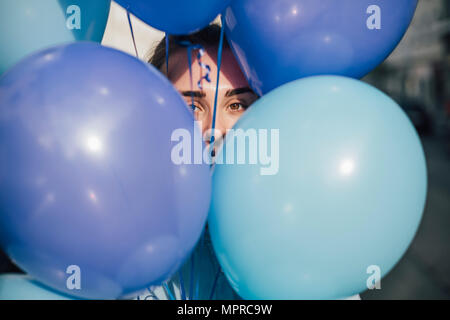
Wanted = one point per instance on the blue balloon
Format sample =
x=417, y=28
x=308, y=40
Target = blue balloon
x=340, y=199
x=29, y=25
x=176, y=16
x=280, y=41
x=86, y=174
x=22, y=287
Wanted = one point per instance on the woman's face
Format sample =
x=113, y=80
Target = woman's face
x=234, y=93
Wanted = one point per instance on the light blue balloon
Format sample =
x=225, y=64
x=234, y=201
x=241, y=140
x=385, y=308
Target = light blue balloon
x=29, y=25
x=345, y=203
x=22, y=287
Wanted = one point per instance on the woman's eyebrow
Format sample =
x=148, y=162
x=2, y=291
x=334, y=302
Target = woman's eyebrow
x=237, y=91
x=197, y=94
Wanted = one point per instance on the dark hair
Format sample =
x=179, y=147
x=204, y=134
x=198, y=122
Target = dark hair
x=209, y=36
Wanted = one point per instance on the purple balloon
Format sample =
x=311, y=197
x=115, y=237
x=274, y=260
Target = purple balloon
x=87, y=184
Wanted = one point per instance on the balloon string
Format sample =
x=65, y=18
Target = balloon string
x=190, y=77
x=197, y=288
x=151, y=295
x=191, y=281
x=201, y=244
x=219, y=63
x=215, y=283
x=201, y=51
x=168, y=292
x=132, y=33
x=183, y=293
x=204, y=66
x=167, y=54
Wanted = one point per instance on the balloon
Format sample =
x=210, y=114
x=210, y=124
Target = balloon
x=341, y=201
x=22, y=287
x=280, y=41
x=197, y=279
x=29, y=25
x=176, y=16
x=86, y=175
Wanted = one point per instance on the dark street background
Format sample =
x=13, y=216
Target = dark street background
x=417, y=76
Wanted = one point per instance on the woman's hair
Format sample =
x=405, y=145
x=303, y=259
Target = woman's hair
x=207, y=37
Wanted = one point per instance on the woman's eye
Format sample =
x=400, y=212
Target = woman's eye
x=237, y=107
x=195, y=108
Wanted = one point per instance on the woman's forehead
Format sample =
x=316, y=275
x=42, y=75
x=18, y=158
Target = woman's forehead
x=231, y=75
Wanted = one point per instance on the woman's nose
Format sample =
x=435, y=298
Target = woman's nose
x=210, y=129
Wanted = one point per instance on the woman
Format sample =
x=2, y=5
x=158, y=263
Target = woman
x=201, y=277
x=234, y=93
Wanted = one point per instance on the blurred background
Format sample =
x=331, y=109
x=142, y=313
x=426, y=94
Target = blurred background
x=417, y=76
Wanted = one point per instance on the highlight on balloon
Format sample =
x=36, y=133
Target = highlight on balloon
x=218, y=149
